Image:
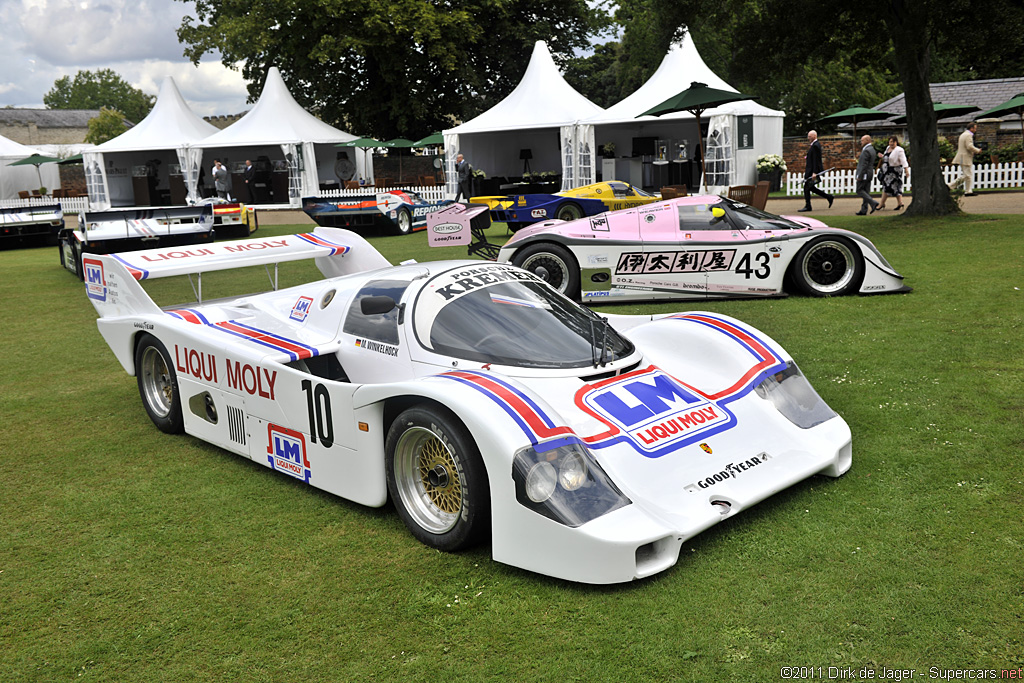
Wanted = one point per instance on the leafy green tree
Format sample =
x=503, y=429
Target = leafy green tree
x=780, y=42
x=388, y=68
x=98, y=89
x=107, y=126
x=596, y=76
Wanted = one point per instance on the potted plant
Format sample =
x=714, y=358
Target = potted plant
x=608, y=150
x=770, y=167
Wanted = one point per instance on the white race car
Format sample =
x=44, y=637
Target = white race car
x=482, y=401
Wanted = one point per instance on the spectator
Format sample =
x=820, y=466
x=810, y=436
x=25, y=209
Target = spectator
x=894, y=165
x=865, y=173
x=965, y=157
x=812, y=171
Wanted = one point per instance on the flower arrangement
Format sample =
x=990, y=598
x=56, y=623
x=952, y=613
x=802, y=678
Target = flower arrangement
x=769, y=163
x=479, y=173
x=608, y=150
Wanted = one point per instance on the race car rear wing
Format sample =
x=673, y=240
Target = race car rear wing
x=461, y=224
x=112, y=280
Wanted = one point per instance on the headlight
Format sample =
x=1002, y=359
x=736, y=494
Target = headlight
x=793, y=396
x=563, y=482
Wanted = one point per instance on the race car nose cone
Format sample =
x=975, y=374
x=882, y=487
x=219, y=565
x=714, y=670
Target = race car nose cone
x=438, y=477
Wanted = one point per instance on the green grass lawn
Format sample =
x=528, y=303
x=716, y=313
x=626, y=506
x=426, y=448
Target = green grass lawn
x=130, y=555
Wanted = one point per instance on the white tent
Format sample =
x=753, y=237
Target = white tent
x=737, y=133
x=152, y=162
x=16, y=178
x=540, y=116
x=292, y=148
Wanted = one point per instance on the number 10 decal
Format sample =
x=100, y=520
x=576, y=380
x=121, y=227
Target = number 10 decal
x=321, y=422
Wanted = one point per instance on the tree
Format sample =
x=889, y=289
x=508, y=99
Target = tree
x=107, y=126
x=98, y=89
x=388, y=67
x=596, y=76
x=773, y=40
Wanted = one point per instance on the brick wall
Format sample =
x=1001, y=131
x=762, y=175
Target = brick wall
x=72, y=178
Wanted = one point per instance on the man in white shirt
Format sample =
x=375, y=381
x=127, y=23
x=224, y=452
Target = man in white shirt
x=965, y=157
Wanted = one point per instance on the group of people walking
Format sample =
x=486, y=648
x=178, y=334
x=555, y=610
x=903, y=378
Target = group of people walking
x=891, y=172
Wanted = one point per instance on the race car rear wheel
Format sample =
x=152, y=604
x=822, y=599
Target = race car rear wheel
x=828, y=266
x=436, y=478
x=553, y=264
x=403, y=222
x=569, y=212
x=158, y=385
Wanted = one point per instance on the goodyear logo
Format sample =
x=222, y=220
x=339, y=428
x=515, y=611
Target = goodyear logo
x=657, y=413
x=301, y=309
x=95, y=281
x=286, y=452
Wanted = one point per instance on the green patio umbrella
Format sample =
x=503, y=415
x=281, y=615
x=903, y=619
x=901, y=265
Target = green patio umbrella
x=430, y=140
x=363, y=144
x=36, y=160
x=76, y=159
x=697, y=99
x=855, y=114
x=943, y=111
x=1015, y=105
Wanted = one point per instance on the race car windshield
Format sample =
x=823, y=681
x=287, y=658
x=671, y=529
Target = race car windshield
x=750, y=218
x=521, y=324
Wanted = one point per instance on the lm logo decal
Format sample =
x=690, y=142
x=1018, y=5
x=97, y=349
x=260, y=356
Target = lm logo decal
x=286, y=452
x=95, y=282
x=654, y=412
x=301, y=308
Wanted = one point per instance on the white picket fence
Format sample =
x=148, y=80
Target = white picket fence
x=986, y=176
x=431, y=194
x=67, y=204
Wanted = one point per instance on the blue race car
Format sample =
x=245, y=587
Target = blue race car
x=401, y=211
x=519, y=211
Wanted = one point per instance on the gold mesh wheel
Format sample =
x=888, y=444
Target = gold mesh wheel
x=428, y=477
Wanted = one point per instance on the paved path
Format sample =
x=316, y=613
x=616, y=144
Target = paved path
x=985, y=202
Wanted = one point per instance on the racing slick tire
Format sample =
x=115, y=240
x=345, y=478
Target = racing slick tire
x=403, y=222
x=569, y=212
x=828, y=266
x=437, y=479
x=158, y=385
x=553, y=264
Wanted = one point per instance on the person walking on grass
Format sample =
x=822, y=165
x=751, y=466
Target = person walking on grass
x=965, y=157
x=812, y=171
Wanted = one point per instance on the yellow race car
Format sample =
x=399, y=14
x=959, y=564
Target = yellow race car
x=522, y=210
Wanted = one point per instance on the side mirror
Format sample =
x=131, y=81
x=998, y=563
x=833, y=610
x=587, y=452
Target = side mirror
x=376, y=305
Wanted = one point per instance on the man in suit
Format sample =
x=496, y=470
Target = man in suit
x=464, y=170
x=812, y=170
x=865, y=172
x=250, y=181
x=965, y=157
x=220, y=179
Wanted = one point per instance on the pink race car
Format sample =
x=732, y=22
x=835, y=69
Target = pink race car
x=699, y=247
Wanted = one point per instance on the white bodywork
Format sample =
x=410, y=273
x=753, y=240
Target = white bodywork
x=679, y=424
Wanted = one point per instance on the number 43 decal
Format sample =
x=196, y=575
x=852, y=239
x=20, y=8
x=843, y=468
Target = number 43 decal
x=763, y=259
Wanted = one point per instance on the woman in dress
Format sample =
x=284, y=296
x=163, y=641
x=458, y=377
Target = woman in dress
x=894, y=167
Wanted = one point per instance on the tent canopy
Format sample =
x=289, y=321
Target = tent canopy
x=17, y=178
x=543, y=99
x=169, y=125
x=276, y=119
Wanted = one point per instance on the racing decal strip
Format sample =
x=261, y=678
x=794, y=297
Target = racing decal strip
x=327, y=244
x=294, y=349
x=521, y=408
x=189, y=315
x=137, y=273
x=761, y=351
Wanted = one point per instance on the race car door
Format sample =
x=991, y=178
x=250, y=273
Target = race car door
x=681, y=245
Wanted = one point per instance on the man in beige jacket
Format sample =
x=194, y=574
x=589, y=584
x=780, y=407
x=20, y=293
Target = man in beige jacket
x=965, y=157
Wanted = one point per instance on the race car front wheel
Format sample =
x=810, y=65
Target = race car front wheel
x=403, y=222
x=553, y=264
x=569, y=212
x=436, y=478
x=828, y=266
x=158, y=385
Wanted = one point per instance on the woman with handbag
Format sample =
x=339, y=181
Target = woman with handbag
x=892, y=171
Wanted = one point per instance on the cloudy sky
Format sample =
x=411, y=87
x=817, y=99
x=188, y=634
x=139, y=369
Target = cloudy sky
x=46, y=39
